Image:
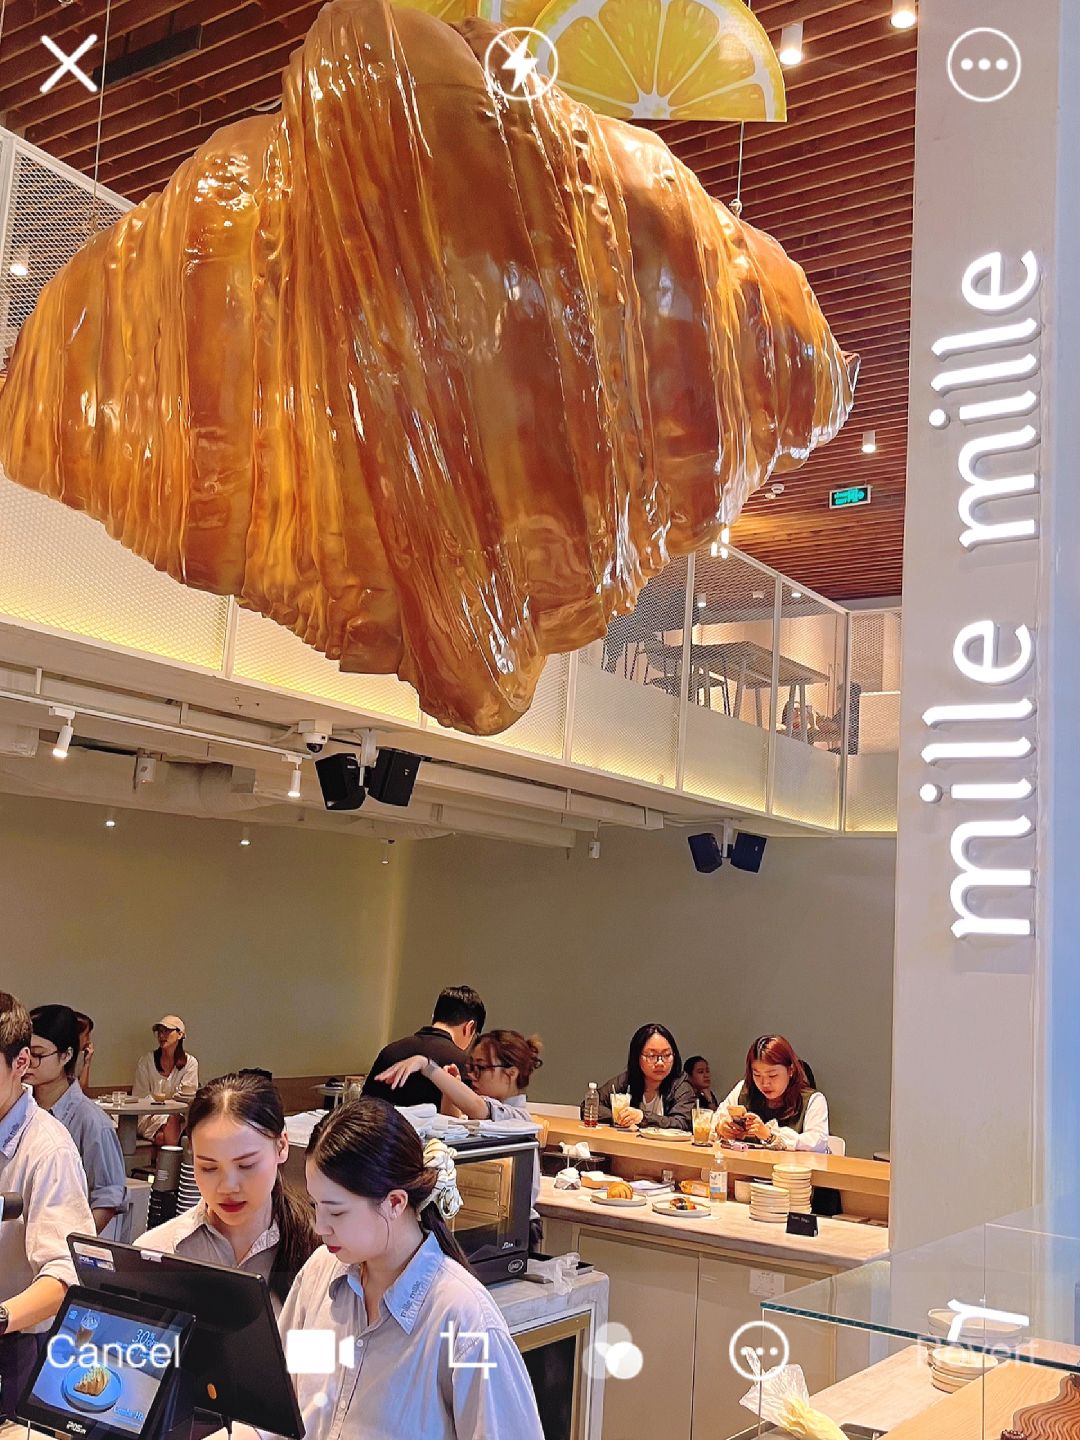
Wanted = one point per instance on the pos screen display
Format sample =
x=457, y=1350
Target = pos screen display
x=103, y=1370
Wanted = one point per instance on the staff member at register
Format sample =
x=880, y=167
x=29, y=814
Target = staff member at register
x=39, y=1161
x=660, y=1094
x=167, y=1073
x=783, y=1110
x=54, y=1056
x=247, y=1217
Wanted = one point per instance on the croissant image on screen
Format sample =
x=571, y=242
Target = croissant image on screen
x=434, y=377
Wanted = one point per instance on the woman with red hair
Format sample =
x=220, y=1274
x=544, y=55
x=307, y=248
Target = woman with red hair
x=774, y=1103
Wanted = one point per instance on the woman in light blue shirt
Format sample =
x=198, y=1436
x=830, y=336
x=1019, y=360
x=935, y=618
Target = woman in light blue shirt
x=54, y=1055
x=432, y=1357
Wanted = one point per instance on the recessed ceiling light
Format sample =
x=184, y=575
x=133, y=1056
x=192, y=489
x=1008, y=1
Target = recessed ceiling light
x=869, y=442
x=245, y=837
x=110, y=820
x=904, y=14
x=791, y=43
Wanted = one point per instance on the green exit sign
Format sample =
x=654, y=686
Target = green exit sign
x=852, y=495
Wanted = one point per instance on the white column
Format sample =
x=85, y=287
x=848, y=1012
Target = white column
x=988, y=889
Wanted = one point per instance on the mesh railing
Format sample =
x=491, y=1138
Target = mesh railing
x=874, y=720
x=725, y=682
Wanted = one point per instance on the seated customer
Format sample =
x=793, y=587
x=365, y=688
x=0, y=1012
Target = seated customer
x=86, y=1050
x=698, y=1073
x=167, y=1073
x=247, y=1218
x=455, y=1023
x=660, y=1094
x=39, y=1161
x=54, y=1054
x=774, y=1103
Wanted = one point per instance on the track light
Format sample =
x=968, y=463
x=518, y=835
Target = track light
x=245, y=837
x=594, y=849
x=869, y=442
x=64, y=738
x=294, y=784
x=791, y=42
x=385, y=860
x=725, y=535
x=904, y=14
x=714, y=549
x=110, y=820
x=20, y=262
x=700, y=600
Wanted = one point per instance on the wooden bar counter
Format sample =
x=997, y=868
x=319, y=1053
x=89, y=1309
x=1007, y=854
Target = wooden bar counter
x=863, y=1184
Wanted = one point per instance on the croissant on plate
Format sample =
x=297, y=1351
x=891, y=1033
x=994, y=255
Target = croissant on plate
x=435, y=378
x=94, y=1381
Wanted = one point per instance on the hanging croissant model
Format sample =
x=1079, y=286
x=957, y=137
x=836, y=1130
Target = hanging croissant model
x=435, y=378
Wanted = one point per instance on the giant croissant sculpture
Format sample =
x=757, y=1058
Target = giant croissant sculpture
x=435, y=378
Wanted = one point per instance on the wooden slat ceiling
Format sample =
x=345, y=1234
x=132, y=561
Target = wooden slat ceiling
x=834, y=185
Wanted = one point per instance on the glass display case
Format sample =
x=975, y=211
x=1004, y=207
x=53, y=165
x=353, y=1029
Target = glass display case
x=975, y=1337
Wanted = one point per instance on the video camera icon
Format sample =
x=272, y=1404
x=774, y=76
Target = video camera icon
x=318, y=1352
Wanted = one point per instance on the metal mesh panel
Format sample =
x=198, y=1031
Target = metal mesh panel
x=729, y=680
x=542, y=729
x=268, y=654
x=61, y=569
x=874, y=726
x=50, y=215
x=626, y=710
x=810, y=706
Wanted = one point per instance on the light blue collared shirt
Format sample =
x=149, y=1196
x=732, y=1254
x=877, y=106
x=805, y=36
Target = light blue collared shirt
x=98, y=1146
x=402, y=1382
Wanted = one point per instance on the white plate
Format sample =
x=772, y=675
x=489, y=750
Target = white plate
x=634, y=1200
x=701, y=1209
x=665, y=1135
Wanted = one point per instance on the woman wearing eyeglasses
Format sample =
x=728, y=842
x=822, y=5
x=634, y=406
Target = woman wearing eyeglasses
x=660, y=1094
x=54, y=1055
x=500, y=1067
x=167, y=1073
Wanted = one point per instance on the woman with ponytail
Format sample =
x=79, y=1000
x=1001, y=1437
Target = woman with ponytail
x=433, y=1356
x=248, y=1218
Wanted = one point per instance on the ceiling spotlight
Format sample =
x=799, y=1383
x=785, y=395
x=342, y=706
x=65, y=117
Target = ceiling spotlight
x=796, y=594
x=714, y=549
x=869, y=442
x=700, y=600
x=294, y=783
x=20, y=262
x=64, y=738
x=245, y=837
x=777, y=489
x=791, y=39
x=110, y=820
x=725, y=535
x=386, y=852
x=594, y=849
x=904, y=14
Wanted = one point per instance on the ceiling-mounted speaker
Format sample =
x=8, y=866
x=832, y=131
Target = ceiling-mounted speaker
x=391, y=779
x=747, y=851
x=706, y=853
x=341, y=780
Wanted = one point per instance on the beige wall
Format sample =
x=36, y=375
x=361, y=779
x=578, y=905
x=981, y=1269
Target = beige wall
x=584, y=951
x=304, y=953
x=278, y=955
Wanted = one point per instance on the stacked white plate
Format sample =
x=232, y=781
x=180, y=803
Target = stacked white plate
x=769, y=1203
x=796, y=1180
x=951, y=1367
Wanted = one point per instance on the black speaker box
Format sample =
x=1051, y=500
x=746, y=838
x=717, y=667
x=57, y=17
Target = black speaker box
x=341, y=780
x=707, y=853
x=391, y=779
x=747, y=851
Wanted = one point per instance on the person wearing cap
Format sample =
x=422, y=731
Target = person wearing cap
x=167, y=1073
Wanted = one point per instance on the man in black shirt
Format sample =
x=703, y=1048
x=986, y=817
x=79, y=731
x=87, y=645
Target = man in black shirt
x=457, y=1021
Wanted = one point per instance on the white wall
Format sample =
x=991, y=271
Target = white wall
x=584, y=951
x=278, y=955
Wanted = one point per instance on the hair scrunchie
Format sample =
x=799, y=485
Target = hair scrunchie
x=446, y=1195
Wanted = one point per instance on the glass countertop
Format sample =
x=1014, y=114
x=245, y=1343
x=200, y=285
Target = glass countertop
x=1010, y=1288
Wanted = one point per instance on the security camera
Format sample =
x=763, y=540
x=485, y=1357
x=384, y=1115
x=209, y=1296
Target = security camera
x=315, y=740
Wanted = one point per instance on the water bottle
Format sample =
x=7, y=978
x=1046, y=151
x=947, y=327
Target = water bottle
x=717, y=1178
x=591, y=1111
